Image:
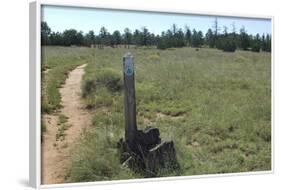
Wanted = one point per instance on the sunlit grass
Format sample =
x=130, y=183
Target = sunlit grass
x=215, y=106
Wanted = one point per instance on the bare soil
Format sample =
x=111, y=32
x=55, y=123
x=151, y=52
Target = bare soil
x=56, y=152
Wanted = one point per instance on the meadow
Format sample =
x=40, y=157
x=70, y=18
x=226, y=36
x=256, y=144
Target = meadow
x=214, y=105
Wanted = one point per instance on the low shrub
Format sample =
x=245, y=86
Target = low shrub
x=62, y=119
x=110, y=79
x=264, y=132
x=46, y=107
x=104, y=78
x=88, y=87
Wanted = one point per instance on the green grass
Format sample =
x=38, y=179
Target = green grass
x=62, y=119
x=215, y=106
x=63, y=126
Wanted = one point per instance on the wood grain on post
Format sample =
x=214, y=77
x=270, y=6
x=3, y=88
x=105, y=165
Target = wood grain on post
x=130, y=101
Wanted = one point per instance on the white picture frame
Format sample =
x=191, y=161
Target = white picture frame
x=35, y=94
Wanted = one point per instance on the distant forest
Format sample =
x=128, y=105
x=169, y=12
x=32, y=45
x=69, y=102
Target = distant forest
x=216, y=37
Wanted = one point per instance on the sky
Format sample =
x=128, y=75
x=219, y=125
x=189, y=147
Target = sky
x=86, y=19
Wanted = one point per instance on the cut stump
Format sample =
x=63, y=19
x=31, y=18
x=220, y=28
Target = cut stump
x=149, y=153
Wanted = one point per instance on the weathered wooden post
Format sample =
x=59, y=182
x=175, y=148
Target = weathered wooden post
x=130, y=102
x=142, y=150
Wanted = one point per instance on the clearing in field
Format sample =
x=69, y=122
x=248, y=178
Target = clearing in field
x=214, y=105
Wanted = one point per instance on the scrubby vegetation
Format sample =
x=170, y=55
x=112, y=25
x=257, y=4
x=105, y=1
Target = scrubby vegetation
x=63, y=126
x=107, y=78
x=216, y=107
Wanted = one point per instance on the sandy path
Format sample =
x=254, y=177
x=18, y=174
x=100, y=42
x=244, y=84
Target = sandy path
x=56, y=153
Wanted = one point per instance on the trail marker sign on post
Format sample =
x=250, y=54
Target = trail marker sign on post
x=130, y=100
x=128, y=65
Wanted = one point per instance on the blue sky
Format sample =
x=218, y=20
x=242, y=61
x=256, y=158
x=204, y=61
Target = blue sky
x=84, y=19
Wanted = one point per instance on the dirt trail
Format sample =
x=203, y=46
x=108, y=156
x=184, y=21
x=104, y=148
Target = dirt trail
x=56, y=152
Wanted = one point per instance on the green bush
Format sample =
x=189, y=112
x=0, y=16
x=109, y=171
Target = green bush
x=109, y=78
x=104, y=78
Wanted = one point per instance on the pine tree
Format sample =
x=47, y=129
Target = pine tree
x=127, y=37
x=244, y=39
x=210, y=38
x=188, y=36
x=45, y=33
x=268, y=43
x=216, y=30
x=256, y=44
x=116, y=38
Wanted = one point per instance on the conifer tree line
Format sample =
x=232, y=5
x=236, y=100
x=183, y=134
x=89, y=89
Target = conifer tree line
x=221, y=38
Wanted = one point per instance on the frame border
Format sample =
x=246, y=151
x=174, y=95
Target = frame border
x=34, y=95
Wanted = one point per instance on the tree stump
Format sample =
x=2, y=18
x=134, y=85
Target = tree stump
x=149, y=154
